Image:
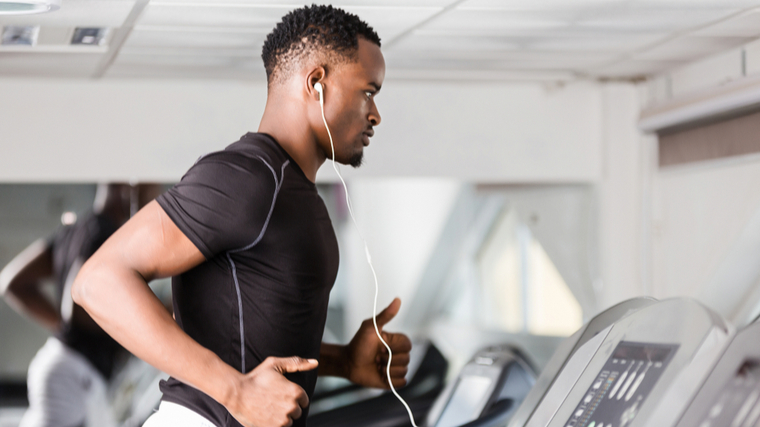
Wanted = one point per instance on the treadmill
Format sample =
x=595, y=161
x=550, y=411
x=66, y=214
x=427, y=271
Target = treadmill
x=488, y=390
x=496, y=385
x=580, y=347
x=730, y=397
x=643, y=371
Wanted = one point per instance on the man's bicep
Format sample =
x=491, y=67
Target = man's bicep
x=152, y=245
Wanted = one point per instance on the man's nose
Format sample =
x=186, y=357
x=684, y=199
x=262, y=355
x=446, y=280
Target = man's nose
x=374, y=116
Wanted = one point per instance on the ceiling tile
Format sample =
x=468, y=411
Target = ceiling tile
x=634, y=17
x=55, y=35
x=202, y=39
x=745, y=25
x=689, y=48
x=449, y=43
x=252, y=16
x=489, y=21
x=389, y=22
x=476, y=39
x=699, y=3
x=386, y=20
x=612, y=43
x=293, y=4
x=535, y=4
x=523, y=60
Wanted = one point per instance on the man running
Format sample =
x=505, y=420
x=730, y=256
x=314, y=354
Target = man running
x=251, y=248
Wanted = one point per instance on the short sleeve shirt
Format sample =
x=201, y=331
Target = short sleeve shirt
x=271, y=261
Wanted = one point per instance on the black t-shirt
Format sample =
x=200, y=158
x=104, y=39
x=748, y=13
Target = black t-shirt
x=79, y=241
x=271, y=261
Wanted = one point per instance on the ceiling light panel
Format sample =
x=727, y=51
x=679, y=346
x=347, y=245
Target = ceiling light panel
x=689, y=48
x=78, y=13
x=26, y=7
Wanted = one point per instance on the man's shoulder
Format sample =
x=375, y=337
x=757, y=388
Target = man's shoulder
x=255, y=146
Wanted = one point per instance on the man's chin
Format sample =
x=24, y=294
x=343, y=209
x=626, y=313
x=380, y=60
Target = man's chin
x=356, y=160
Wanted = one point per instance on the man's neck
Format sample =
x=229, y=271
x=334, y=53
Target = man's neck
x=288, y=125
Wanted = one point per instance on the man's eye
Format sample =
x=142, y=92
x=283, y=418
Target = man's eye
x=369, y=94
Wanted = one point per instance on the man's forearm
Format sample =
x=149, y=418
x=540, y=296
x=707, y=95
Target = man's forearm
x=333, y=360
x=124, y=306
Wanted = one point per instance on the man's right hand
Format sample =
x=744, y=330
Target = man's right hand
x=265, y=398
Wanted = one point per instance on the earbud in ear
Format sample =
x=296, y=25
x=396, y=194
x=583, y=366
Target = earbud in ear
x=318, y=87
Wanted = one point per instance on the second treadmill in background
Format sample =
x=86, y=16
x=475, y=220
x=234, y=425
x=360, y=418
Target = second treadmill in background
x=730, y=397
x=580, y=347
x=644, y=372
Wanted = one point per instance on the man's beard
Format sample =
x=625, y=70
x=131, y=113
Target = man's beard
x=356, y=160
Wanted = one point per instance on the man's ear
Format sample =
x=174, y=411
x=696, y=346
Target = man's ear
x=316, y=75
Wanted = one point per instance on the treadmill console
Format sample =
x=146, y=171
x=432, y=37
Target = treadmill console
x=468, y=400
x=620, y=388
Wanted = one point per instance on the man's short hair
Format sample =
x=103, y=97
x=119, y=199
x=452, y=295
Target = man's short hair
x=313, y=30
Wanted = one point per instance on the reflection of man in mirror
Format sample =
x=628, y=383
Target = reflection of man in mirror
x=67, y=378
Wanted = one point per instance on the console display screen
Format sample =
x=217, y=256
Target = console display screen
x=467, y=401
x=738, y=404
x=625, y=381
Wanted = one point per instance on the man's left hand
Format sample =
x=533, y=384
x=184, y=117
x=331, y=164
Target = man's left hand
x=367, y=357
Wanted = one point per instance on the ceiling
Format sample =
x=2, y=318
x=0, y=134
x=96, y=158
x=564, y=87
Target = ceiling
x=549, y=40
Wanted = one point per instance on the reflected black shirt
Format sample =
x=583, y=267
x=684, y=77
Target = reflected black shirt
x=78, y=242
x=271, y=260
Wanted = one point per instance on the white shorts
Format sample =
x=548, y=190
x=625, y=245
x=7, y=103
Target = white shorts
x=65, y=390
x=174, y=415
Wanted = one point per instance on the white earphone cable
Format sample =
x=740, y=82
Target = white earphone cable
x=369, y=261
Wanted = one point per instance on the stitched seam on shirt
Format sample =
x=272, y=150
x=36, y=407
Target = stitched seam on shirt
x=278, y=184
